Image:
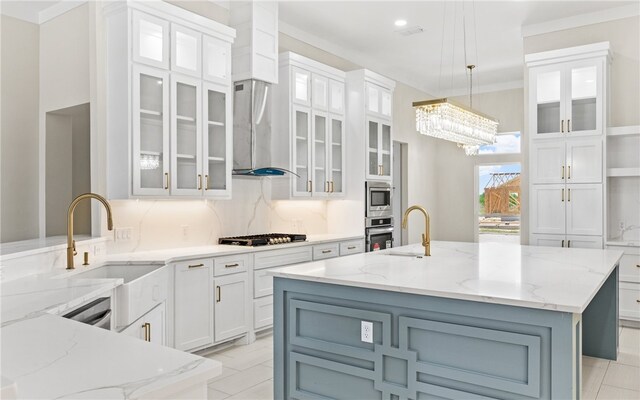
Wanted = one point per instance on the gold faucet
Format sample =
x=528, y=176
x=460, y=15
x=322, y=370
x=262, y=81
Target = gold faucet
x=426, y=236
x=71, y=244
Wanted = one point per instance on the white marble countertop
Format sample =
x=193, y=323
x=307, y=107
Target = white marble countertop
x=551, y=278
x=48, y=356
x=24, y=248
x=186, y=253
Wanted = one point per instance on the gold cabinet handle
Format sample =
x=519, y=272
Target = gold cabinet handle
x=199, y=182
x=568, y=194
x=568, y=243
x=166, y=180
x=569, y=172
x=332, y=186
x=568, y=125
x=562, y=243
x=231, y=265
x=562, y=194
x=218, y=294
x=637, y=265
x=309, y=186
x=638, y=301
x=196, y=265
x=562, y=172
x=353, y=247
x=562, y=126
x=147, y=331
x=326, y=186
x=206, y=181
x=326, y=251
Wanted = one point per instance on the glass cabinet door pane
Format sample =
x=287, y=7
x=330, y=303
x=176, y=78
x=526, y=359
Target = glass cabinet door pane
x=186, y=136
x=216, y=140
x=386, y=150
x=548, y=102
x=336, y=96
x=151, y=38
x=583, y=98
x=320, y=178
x=373, y=99
x=216, y=59
x=320, y=92
x=187, y=48
x=151, y=131
x=372, y=134
x=336, y=155
x=301, y=90
x=301, y=133
x=386, y=103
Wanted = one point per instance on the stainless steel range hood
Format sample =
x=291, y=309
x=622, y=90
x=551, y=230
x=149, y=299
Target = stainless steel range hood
x=252, y=129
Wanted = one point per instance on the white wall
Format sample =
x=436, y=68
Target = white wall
x=19, y=127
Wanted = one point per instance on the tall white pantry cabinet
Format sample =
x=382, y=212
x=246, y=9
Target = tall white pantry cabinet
x=567, y=113
x=169, y=103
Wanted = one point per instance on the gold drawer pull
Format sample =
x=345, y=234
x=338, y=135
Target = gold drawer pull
x=326, y=251
x=562, y=172
x=569, y=172
x=568, y=194
x=218, y=294
x=206, y=179
x=199, y=182
x=562, y=126
x=353, y=247
x=147, y=331
x=166, y=180
x=196, y=266
x=231, y=265
x=562, y=194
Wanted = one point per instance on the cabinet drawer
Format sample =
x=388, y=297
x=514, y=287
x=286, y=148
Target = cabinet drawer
x=324, y=251
x=230, y=264
x=263, y=312
x=352, y=247
x=630, y=301
x=278, y=258
x=262, y=283
x=630, y=268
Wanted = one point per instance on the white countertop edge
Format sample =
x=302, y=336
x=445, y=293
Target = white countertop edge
x=45, y=249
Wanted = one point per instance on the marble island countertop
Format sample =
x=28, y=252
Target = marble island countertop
x=557, y=279
x=48, y=356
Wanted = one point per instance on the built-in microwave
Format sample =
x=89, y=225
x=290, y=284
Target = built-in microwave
x=378, y=201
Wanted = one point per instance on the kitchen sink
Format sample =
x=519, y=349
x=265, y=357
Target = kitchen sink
x=145, y=286
x=127, y=272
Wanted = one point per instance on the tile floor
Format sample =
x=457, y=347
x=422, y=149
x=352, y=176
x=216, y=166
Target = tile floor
x=247, y=372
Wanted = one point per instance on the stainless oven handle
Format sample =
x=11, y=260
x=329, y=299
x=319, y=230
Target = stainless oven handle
x=375, y=231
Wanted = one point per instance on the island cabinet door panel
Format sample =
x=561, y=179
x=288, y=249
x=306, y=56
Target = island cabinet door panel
x=584, y=209
x=193, y=304
x=548, y=209
x=230, y=306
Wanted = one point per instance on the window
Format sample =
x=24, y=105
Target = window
x=506, y=143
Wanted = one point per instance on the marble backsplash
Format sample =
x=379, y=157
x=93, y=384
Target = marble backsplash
x=159, y=224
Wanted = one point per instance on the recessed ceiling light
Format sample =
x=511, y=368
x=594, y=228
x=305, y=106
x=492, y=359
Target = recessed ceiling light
x=400, y=22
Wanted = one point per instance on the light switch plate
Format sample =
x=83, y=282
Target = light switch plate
x=123, y=234
x=366, y=331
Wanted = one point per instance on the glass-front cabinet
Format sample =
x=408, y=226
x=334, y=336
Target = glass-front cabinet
x=320, y=154
x=150, y=40
x=186, y=136
x=567, y=99
x=379, y=141
x=151, y=131
x=216, y=141
x=301, y=156
x=186, y=51
x=335, y=169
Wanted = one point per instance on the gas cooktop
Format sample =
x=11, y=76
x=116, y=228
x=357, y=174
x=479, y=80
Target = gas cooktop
x=263, y=240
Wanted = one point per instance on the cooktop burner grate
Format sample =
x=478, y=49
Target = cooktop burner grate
x=264, y=240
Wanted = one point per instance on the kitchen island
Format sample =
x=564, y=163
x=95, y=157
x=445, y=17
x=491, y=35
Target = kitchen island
x=473, y=321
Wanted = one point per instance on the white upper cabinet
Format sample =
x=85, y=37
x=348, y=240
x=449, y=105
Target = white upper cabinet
x=336, y=97
x=301, y=86
x=320, y=92
x=548, y=161
x=150, y=118
x=313, y=98
x=378, y=144
x=150, y=40
x=566, y=99
x=168, y=102
x=186, y=51
x=386, y=103
x=186, y=136
x=216, y=60
x=379, y=101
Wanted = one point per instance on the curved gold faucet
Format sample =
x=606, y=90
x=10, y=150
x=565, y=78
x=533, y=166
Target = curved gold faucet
x=426, y=236
x=71, y=244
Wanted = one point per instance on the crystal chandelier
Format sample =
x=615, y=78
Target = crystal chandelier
x=444, y=119
x=149, y=161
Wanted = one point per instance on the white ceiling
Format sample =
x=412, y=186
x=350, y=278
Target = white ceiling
x=363, y=32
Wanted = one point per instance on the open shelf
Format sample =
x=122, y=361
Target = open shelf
x=621, y=172
x=219, y=159
x=186, y=156
x=372, y=150
x=150, y=113
x=631, y=130
x=319, y=141
x=301, y=138
x=185, y=119
x=336, y=144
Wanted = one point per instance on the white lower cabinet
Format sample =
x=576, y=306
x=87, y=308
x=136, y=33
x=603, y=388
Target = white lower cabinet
x=324, y=251
x=629, y=295
x=193, y=304
x=629, y=278
x=151, y=327
x=230, y=310
x=263, y=312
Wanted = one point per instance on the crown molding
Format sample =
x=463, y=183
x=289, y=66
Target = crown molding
x=576, y=21
x=493, y=87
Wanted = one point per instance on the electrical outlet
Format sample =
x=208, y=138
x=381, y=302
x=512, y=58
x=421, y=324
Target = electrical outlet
x=366, y=331
x=185, y=232
x=122, y=234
